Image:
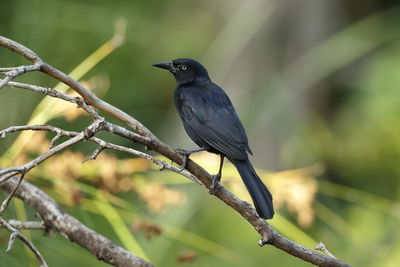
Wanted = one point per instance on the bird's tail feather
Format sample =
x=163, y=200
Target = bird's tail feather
x=262, y=198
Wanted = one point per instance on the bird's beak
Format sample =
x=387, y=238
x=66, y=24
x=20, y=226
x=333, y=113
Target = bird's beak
x=166, y=65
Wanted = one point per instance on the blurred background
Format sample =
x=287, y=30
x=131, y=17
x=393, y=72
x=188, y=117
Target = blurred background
x=315, y=82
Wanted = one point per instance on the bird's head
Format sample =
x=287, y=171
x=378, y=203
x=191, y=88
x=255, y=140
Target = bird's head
x=184, y=70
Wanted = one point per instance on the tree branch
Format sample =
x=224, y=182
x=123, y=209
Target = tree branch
x=6, y=202
x=31, y=225
x=55, y=218
x=147, y=138
x=11, y=73
x=321, y=247
x=85, y=134
x=17, y=234
x=102, y=144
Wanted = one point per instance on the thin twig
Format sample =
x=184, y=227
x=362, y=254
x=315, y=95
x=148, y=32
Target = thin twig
x=6, y=202
x=113, y=128
x=17, y=234
x=55, y=138
x=95, y=153
x=85, y=134
x=43, y=90
x=107, y=127
x=321, y=247
x=11, y=73
x=31, y=225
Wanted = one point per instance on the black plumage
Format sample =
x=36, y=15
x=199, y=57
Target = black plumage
x=210, y=120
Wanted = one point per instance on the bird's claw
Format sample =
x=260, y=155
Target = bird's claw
x=184, y=151
x=215, y=185
x=185, y=154
x=182, y=167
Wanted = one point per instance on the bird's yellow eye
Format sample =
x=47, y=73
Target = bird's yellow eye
x=183, y=67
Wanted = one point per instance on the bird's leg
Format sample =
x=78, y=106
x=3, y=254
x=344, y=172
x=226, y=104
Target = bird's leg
x=186, y=154
x=217, y=178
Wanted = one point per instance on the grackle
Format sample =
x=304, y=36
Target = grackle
x=211, y=122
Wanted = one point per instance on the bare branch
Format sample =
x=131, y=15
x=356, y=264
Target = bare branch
x=102, y=144
x=57, y=219
x=161, y=164
x=17, y=234
x=13, y=236
x=9, y=174
x=95, y=153
x=89, y=98
x=6, y=202
x=54, y=139
x=43, y=90
x=32, y=225
x=125, y=259
x=85, y=134
x=49, y=128
x=5, y=81
x=149, y=140
x=20, y=49
x=11, y=73
x=14, y=72
x=80, y=103
x=321, y=247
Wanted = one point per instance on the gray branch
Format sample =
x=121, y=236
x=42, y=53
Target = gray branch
x=85, y=134
x=106, y=126
x=17, y=234
x=31, y=225
x=55, y=218
x=11, y=73
x=145, y=137
x=6, y=202
x=321, y=247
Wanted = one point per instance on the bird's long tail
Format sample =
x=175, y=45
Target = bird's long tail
x=262, y=198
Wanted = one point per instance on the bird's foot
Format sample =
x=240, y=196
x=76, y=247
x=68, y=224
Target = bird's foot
x=186, y=154
x=184, y=151
x=215, y=185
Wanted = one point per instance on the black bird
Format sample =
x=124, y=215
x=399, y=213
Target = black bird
x=211, y=122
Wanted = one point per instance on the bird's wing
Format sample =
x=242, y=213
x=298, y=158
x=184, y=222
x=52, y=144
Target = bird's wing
x=212, y=117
